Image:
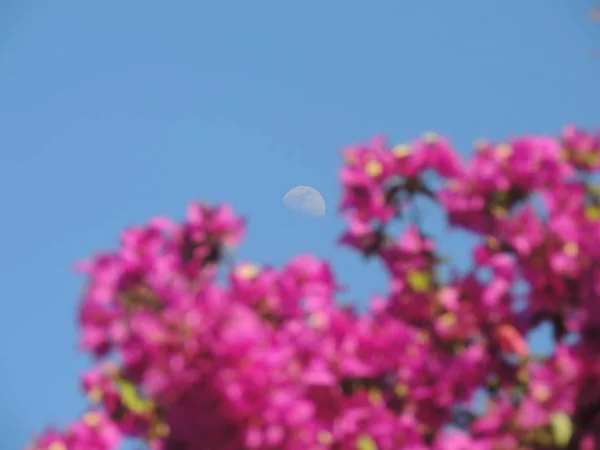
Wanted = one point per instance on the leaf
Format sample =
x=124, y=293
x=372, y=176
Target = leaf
x=591, y=158
x=592, y=213
x=562, y=428
x=419, y=281
x=131, y=400
x=364, y=442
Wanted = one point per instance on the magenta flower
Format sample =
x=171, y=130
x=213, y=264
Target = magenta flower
x=268, y=358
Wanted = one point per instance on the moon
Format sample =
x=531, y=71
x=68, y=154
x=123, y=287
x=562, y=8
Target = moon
x=306, y=200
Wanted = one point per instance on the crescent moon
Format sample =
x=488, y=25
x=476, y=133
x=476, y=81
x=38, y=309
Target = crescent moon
x=306, y=200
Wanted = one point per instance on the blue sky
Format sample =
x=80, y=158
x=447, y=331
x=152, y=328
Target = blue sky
x=112, y=112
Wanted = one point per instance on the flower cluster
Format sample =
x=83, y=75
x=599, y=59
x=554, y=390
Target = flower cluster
x=269, y=360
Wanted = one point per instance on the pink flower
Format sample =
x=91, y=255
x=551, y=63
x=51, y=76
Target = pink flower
x=458, y=440
x=268, y=359
x=432, y=152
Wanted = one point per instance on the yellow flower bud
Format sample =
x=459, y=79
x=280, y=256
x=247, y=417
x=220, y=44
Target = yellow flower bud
x=373, y=168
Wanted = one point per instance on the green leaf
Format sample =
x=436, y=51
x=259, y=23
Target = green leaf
x=131, y=399
x=419, y=281
x=364, y=442
x=591, y=158
x=592, y=213
x=562, y=428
